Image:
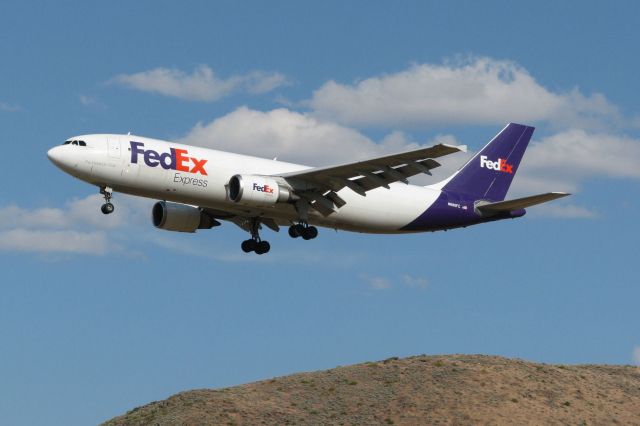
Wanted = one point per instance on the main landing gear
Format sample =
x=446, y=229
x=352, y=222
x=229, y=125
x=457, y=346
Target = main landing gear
x=303, y=230
x=255, y=244
x=107, y=207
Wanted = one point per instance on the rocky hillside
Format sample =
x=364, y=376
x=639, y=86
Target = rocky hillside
x=453, y=389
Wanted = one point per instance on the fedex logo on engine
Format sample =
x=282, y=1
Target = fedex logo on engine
x=500, y=165
x=266, y=188
x=175, y=159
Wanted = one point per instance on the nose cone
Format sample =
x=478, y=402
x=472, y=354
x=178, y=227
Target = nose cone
x=62, y=158
x=55, y=156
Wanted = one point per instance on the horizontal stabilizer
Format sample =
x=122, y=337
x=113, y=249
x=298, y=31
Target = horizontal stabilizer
x=518, y=203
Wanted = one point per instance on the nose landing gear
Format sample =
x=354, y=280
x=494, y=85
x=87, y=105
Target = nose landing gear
x=107, y=207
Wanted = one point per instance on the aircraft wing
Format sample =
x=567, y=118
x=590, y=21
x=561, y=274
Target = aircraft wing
x=519, y=203
x=319, y=185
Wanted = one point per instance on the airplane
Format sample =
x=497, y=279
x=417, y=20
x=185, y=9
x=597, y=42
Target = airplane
x=199, y=187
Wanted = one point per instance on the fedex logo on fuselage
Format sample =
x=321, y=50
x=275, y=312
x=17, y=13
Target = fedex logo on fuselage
x=500, y=165
x=175, y=159
x=265, y=188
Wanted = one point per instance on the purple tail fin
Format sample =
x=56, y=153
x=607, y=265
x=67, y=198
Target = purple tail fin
x=490, y=172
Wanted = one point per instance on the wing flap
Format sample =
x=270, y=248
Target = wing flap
x=519, y=203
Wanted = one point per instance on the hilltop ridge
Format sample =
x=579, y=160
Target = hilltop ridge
x=447, y=389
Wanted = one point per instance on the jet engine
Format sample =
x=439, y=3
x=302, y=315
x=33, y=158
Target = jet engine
x=258, y=191
x=180, y=217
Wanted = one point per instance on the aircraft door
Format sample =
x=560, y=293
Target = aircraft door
x=114, y=147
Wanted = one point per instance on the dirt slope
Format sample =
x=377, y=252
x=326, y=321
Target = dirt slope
x=443, y=390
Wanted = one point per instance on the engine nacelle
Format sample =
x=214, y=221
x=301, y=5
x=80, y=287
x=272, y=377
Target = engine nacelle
x=180, y=217
x=258, y=191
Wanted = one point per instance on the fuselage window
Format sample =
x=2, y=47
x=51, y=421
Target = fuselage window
x=82, y=143
x=74, y=143
x=66, y=142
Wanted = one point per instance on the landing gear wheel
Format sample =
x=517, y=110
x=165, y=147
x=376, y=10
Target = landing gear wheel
x=310, y=233
x=293, y=231
x=107, y=208
x=263, y=247
x=303, y=230
x=249, y=245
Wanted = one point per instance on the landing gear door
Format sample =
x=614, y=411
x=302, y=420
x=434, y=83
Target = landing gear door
x=114, y=147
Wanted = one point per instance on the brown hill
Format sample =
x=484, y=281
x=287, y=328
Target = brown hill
x=422, y=390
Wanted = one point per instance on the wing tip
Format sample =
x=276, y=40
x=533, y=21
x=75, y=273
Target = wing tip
x=461, y=148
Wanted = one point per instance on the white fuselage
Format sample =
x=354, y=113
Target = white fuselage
x=107, y=160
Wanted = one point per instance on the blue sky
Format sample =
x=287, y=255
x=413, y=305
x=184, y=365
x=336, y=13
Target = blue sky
x=99, y=315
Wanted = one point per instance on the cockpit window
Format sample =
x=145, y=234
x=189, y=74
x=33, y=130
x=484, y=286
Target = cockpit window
x=77, y=143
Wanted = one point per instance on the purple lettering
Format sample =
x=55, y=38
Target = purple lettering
x=135, y=151
x=151, y=158
x=171, y=157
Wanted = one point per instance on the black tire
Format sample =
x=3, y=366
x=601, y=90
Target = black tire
x=293, y=232
x=107, y=208
x=312, y=231
x=248, y=246
x=263, y=247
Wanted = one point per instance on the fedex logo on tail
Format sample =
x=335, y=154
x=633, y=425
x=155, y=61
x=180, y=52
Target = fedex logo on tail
x=265, y=188
x=175, y=159
x=500, y=165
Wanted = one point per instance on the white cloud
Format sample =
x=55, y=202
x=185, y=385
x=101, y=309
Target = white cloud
x=201, y=85
x=415, y=282
x=259, y=82
x=49, y=241
x=579, y=153
x=5, y=107
x=86, y=100
x=376, y=283
x=563, y=161
x=560, y=162
x=77, y=213
x=293, y=136
x=636, y=355
x=479, y=91
x=77, y=227
x=382, y=283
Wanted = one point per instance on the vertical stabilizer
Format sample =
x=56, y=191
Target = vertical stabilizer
x=489, y=173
